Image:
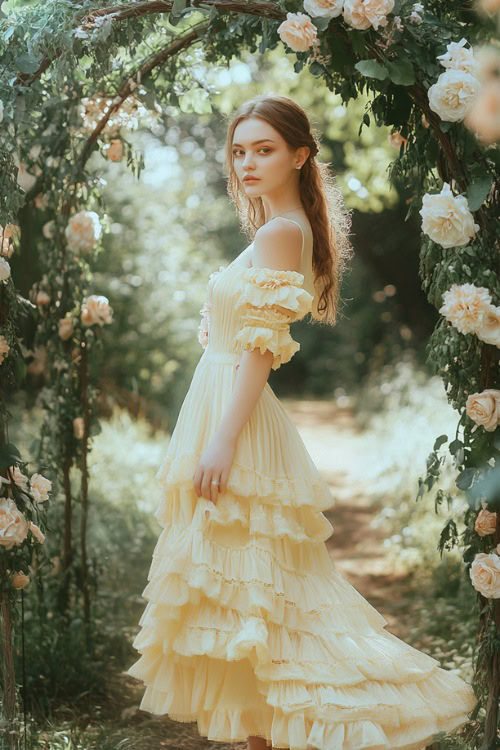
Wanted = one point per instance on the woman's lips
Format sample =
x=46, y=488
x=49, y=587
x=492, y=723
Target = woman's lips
x=251, y=179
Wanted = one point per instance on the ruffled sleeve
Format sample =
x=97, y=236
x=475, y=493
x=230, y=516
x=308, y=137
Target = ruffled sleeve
x=269, y=300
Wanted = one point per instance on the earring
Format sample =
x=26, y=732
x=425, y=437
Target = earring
x=297, y=167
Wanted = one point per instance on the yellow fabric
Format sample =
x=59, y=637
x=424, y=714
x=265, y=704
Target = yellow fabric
x=248, y=628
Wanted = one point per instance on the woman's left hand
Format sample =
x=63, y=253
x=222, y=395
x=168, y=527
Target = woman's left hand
x=214, y=464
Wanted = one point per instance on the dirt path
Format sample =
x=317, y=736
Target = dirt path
x=356, y=547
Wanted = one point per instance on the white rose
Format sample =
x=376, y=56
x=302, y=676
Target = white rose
x=323, y=8
x=484, y=408
x=4, y=269
x=361, y=14
x=453, y=94
x=13, y=525
x=96, y=309
x=485, y=575
x=298, y=32
x=464, y=306
x=489, y=330
x=457, y=57
x=446, y=218
x=40, y=487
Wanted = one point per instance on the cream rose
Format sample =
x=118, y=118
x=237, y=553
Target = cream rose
x=4, y=269
x=464, y=306
x=361, y=14
x=489, y=330
x=37, y=532
x=486, y=522
x=4, y=348
x=446, y=218
x=65, y=328
x=484, y=117
x=297, y=32
x=484, y=408
x=40, y=487
x=13, y=525
x=96, y=310
x=19, y=580
x=485, y=574
x=457, y=57
x=323, y=8
x=453, y=94
x=83, y=231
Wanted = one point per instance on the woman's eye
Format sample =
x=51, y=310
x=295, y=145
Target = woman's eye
x=264, y=148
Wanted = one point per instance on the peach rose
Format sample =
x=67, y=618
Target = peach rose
x=485, y=574
x=42, y=298
x=323, y=8
x=298, y=31
x=489, y=330
x=19, y=580
x=486, y=522
x=78, y=427
x=361, y=14
x=96, y=309
x=65, y=328
x=37, y=532
x=484, y=117
x=115, y=151
x=396, y=139
x=464, y=306
x=484, y=408
x=4, y=348
x=40, y=487
x=83, y=231
x=13, y=525
x=19, y=478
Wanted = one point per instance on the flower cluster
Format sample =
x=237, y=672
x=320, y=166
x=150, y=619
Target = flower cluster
x=469, y=309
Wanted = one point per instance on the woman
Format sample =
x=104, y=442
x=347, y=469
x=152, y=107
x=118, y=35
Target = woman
x=249, y=629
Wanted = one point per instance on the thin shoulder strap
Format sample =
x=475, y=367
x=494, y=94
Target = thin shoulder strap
x=303, y=236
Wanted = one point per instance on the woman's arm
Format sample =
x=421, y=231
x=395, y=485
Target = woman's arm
x=278, y=247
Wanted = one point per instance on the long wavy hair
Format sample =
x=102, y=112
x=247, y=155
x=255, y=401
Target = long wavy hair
x=320, y=197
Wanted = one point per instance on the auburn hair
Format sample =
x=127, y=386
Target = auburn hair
x=322, y=200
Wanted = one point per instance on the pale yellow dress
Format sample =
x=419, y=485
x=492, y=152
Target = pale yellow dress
x=248, y=628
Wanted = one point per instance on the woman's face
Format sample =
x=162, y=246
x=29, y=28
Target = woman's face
x=260, y=151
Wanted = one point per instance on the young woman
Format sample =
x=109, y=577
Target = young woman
x=249, y=629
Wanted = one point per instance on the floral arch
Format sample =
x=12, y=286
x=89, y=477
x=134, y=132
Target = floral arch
x=432, y=71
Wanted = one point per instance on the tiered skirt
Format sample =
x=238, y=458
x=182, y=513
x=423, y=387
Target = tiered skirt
x=249, y=630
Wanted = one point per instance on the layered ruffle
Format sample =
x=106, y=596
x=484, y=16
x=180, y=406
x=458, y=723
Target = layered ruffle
x=269, y=300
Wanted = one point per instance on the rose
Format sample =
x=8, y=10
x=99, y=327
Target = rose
x=457, y=57
x=485, y=574
x=361, y=14
x=464, y=306
x=453, y=94
x=489, y=330
x=446, y=218
x=19, y=580
x=484, y=116
x=323, y=8
x=42, y=298
x=115, y=150
x=83, y=231
x=484, y=408
x=13, y=525
x=40, y=487
x=486, y=522
x=4, y=269
x=78, y=427
x=4, y=348
x=96, y=309
x=19, y=478
x=25, y=179
x=297, y=31
x=65, y=328
x=38, y=533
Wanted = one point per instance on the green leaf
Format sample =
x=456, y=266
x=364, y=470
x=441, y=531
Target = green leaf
x=316, y=69
x=464, y=479
x=401, y=72
x=357, y=42
x=8, y=455
x=321, y=22
x=372, y=69
x=439, y=442
x=177, y=7
x=26, y=63
x=445, y=125
x=478, y=190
